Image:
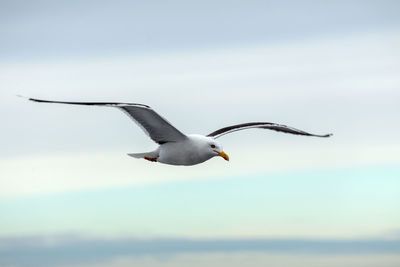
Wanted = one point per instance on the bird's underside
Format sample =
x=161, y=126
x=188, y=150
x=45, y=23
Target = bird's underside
x=176, y=148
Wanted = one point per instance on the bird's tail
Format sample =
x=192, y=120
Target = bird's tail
x=138, y=155
x=152, y=156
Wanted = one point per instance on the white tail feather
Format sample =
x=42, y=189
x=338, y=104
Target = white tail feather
x=152, y=154
x=138, y=155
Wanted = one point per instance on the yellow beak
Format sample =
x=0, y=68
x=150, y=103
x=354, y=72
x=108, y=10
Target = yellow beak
x=224, y=155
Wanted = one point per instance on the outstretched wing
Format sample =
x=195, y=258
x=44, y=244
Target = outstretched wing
x=261, y=125
x=155, y=126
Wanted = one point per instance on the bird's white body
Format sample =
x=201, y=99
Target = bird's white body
x=194, y=150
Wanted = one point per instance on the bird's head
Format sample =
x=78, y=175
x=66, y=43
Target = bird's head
x=215, y=149
x=206, y=147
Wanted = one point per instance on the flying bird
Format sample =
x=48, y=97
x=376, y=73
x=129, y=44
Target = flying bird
x=175, y=147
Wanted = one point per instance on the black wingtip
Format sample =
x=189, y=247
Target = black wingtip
x=327, y=135
x=40, y=100
x=116, y=104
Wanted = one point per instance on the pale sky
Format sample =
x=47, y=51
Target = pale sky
x=318, y=66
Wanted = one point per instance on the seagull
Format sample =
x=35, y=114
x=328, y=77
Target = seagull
x=175, y=147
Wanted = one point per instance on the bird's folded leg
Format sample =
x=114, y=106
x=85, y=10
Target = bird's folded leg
x=151, y=159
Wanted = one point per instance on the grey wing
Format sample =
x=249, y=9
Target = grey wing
x=155, y=126
x=262, y=125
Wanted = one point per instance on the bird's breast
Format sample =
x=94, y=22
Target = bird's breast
x=181, y=153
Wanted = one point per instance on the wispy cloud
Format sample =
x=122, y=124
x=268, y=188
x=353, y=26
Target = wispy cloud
x=265, y=204
x=41, y=250
x=62, y=29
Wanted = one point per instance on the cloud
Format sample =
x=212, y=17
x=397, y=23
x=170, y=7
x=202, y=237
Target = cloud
x=266, y=204
x=54, y=29
x=68, y=249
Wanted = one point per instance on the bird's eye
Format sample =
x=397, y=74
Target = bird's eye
x=212, y=146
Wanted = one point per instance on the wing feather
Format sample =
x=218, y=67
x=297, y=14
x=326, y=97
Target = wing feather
x=156, y=127
x=262, y=125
